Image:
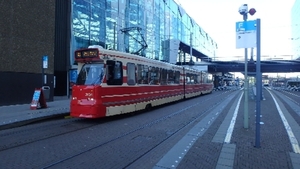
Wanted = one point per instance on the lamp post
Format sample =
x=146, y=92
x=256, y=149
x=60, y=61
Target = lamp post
x=243, y=10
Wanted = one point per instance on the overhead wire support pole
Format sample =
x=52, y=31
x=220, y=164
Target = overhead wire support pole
x=246, y=86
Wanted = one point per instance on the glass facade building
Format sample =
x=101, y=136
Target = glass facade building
x=136, y=26
x=296, y=29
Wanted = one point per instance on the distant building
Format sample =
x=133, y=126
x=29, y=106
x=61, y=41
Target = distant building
x=31, y=29
x=296, y=29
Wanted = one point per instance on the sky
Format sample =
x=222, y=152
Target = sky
x=218, y=19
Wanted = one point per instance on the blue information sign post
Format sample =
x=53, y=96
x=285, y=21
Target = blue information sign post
x=248, y=36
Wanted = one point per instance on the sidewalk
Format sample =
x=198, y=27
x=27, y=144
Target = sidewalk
x=16, y=115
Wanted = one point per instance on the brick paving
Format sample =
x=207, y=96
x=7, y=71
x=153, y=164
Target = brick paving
x=275, y=149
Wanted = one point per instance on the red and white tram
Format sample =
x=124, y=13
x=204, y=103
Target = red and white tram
x=111, y=83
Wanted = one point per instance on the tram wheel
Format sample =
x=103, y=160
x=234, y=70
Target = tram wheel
x=148, y=107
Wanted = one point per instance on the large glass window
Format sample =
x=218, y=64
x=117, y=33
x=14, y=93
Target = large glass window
x=88, y=24
x=111, y=23
x=99, y=22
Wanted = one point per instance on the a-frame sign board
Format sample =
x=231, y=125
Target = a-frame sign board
x=38, y=99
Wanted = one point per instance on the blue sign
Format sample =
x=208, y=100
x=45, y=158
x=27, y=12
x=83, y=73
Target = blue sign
x=45, y=62
x=73, y=75
x=245, y=26
x=245, y=34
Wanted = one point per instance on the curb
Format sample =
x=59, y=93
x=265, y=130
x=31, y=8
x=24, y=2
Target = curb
x=31, y=120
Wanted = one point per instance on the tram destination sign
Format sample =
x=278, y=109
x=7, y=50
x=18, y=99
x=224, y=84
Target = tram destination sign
x=90, y=53
x=245, y=34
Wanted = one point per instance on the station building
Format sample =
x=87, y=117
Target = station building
x=296, y=29
x=34, y=30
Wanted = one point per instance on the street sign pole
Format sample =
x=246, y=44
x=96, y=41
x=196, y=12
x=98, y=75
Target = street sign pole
x=246, y=107
x=246, y=113
x=43, y=71
x=258, y=85
x=44, y=66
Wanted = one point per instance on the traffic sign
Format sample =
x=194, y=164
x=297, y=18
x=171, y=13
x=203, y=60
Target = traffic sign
x=245, y=34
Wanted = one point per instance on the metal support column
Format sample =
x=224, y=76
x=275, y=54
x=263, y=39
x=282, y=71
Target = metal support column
x=258, y=85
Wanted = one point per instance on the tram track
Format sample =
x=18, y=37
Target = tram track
x=152, y=123
x=7, y=143
x=66, y=127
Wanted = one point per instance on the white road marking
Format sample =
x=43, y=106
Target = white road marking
x=232, y=123
x=289, y=131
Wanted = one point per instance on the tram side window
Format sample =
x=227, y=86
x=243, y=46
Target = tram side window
x=199, y=78
x=210, y=78
x=114, y=71
x=164, y=77
x=195, y=79
x=188, y=78
x=204, y=78
x=142, y=75
x=131, y=74
x=171, y=77
x=154, y=76
x=177, y=77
